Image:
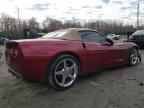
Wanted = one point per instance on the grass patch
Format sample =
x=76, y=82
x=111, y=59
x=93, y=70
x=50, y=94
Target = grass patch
x=0, y=54
x=20, y=93
x=1, y=51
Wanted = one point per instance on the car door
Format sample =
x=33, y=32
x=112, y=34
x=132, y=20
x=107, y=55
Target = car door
x=100, y=52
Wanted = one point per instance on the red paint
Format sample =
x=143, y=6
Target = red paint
x=37, y=54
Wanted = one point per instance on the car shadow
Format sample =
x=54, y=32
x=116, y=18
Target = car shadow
x=102, y=72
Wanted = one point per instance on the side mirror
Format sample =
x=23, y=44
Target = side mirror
x=110, y=41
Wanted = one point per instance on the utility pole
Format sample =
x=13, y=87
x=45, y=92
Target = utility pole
x=18, y=14
x=138, y=16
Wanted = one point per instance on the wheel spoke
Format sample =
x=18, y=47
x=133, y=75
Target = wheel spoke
x=135, y=58
x=63, y=80
x=71, y=68
x=71, y=76
x=65, y=65
x=132, y=55
x=59, y=73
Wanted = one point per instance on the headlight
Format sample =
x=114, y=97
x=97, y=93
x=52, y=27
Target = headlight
x=131, y=37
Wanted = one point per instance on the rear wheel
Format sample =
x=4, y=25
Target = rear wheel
x=134, y=57
x=64, y=72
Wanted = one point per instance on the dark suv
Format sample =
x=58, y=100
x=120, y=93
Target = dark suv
x=3, y=40
x=137, y=37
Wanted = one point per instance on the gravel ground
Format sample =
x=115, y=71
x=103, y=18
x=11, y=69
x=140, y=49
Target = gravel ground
x=121, y=87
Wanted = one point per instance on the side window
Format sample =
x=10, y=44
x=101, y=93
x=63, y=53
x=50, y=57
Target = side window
x=89, y=36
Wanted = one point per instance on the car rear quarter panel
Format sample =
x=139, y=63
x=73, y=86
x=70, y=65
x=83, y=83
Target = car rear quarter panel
x=38, y=55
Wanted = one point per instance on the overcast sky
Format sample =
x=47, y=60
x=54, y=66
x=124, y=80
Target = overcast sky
x=123, y=10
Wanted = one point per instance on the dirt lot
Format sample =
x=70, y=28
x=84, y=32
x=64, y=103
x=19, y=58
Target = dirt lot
x=121, y=87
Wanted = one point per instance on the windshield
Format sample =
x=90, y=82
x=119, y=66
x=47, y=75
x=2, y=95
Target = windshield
x=139, y=32
x=54, y=35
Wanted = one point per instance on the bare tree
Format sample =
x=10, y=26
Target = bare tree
x=10, y=25
x=33, y=23
x=52, y=24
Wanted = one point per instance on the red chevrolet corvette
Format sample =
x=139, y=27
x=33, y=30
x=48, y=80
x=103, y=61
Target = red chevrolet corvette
x=60, y=57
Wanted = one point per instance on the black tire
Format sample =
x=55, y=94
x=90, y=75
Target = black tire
x=134, y=57
x=54, y=80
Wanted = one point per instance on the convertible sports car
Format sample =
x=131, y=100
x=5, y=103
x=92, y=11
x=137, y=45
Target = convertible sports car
x=60, y=57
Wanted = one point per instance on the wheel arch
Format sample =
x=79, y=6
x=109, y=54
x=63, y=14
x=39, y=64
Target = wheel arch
x=57, y=55
x=129, y=49
x=134, y=47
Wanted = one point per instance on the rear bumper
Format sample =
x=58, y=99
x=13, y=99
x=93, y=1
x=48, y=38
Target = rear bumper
x=33, y=71
x=14, y=73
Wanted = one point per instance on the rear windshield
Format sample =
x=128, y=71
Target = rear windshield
x=54, y=35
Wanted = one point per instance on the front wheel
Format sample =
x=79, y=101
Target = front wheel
x=134, y=57
x=64, y=71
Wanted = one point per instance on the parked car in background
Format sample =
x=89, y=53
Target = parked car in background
x=113, y=36
x=3, y=40
x=41, y=34
x=59, y=57
x=137, y=37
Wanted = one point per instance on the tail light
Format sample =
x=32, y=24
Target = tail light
x=13, y=52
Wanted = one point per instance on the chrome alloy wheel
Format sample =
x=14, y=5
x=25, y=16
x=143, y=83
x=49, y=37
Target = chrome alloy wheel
x=66, y=72
x=134, y=57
